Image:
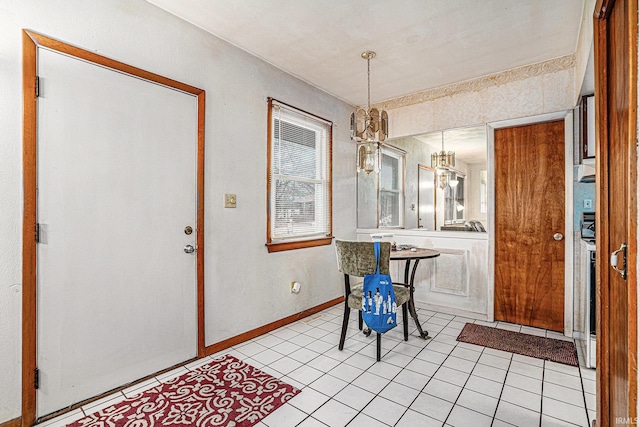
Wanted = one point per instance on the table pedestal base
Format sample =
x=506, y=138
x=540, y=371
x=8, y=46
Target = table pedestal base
x=412, y=307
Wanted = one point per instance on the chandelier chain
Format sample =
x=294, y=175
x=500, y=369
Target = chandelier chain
x=368, y=84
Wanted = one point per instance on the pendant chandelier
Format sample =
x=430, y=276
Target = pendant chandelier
x=369, y=128
x=443, y=162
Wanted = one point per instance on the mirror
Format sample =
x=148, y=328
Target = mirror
x=452, y=200
x=426, y=197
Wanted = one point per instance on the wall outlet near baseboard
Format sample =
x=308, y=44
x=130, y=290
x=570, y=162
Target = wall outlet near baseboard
x=295, y=287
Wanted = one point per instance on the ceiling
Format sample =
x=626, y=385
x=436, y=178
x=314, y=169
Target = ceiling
x=420, y=44
x=469, y=143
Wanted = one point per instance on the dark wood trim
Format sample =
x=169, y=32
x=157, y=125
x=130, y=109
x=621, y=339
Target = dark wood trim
x=276, y=246
x=62, y=47
x=632, y=206
x=29, y=309
x=298, y=244
x=223, y=345
x=272, y=100
x=16, y=422
x=602, y=233
x=200, y=224
x=330, y=182
x=602, y=9
x=230, y=342
x=603, y=307
x=269, y=155
x=30, y=43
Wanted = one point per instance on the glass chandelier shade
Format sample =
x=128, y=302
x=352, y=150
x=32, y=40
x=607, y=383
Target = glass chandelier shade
x=369, y=127
x=443, y=162
x=368, y=157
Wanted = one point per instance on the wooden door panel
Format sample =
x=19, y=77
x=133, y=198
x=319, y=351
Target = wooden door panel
x=530, y=197
x=616, y=53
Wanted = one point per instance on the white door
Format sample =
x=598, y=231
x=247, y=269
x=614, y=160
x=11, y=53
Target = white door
x=116, y=292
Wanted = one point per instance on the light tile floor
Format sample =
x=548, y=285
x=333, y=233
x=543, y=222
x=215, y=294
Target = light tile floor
x=437, y=382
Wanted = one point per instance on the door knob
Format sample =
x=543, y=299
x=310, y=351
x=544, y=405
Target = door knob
x=558, y=236
x=189, y=249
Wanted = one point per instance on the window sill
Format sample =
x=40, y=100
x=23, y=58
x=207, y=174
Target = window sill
x=298, y=244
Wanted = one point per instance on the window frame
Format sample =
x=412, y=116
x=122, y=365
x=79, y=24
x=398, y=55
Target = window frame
x=450, y=208
x=401, y=156
x=298, y=242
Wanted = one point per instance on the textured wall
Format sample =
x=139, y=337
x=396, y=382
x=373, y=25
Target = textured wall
x=517, y=93
x=255, y=284
x=584, y=47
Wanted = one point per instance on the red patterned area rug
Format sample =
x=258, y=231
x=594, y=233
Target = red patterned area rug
x=225, y=392
x=517, y=342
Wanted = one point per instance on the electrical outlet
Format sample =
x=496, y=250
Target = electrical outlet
x=295, y=287
x=229, y=200
x=588, y=204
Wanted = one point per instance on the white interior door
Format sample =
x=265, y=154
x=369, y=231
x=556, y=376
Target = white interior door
x=116, y=292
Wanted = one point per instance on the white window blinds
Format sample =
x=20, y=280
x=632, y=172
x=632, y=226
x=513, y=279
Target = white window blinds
x=299, y=175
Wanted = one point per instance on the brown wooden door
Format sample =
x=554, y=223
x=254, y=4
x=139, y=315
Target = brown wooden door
x=616, y=168
x=530, y=200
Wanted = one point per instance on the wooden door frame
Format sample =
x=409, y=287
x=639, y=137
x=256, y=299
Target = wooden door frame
x=567, y=116
x=603, y=192
x=31, y=41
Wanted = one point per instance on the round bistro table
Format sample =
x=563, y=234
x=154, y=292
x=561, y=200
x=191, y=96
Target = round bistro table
x=415, y=256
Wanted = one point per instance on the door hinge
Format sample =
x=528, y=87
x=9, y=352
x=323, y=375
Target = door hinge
x=37, y=233
x=36, y=378
x=37, y=86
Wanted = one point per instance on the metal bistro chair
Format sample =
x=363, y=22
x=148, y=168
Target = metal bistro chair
x=358, y=259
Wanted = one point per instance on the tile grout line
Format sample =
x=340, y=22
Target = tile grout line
x=391, y=380
x=395, y=343
x=307, y=415
x=504, y=383
x=465, y=383
x=584, y=396
x=350, y=383
x=414, y=358
x=544, y=370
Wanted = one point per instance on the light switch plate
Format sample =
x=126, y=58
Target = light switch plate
x=229, y=200
x=588, y=204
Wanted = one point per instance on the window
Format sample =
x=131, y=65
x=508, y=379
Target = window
x=299, y=179
x=454, y=199
x=391, y=198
